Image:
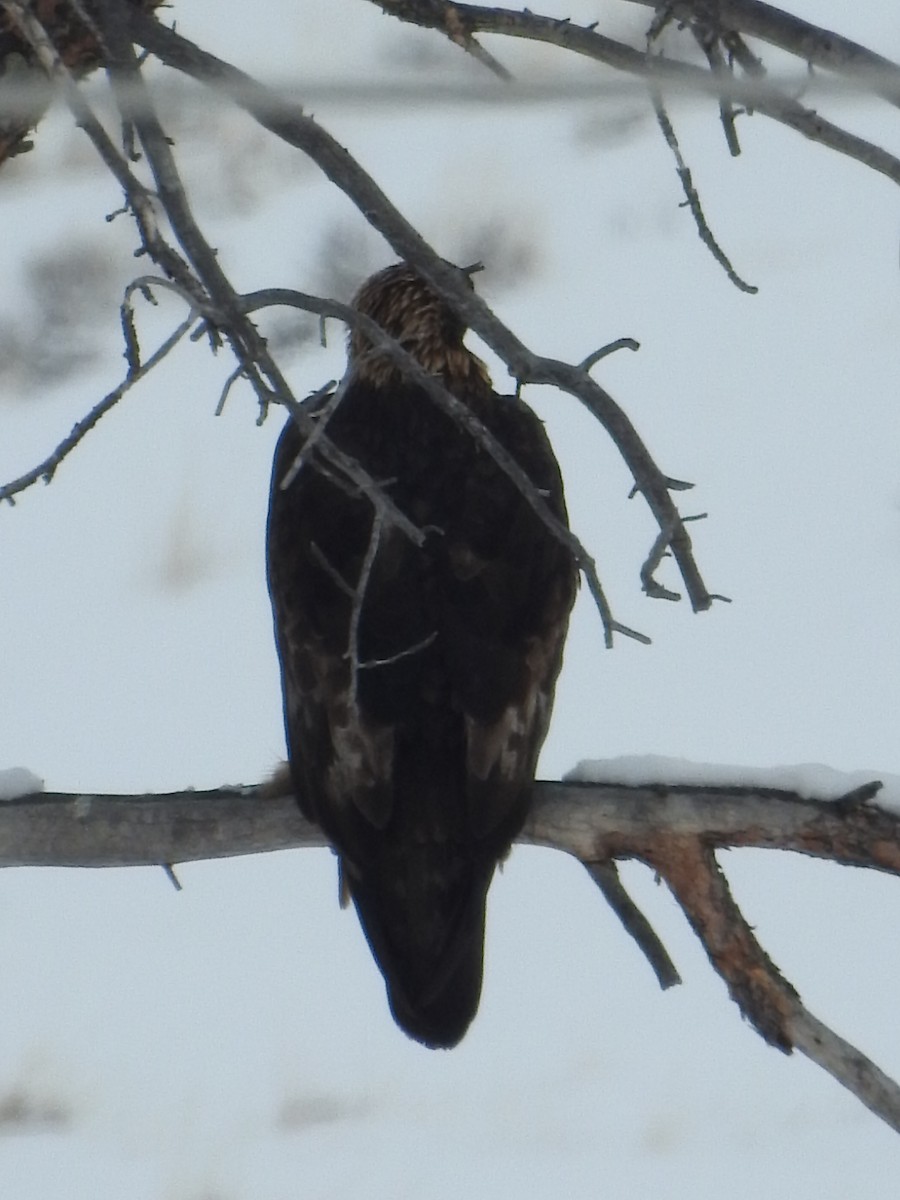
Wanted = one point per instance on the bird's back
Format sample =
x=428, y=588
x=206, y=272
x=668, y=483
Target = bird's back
x=418, y=680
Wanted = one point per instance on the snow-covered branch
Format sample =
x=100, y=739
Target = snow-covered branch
x=673, y=827
x=594, y=819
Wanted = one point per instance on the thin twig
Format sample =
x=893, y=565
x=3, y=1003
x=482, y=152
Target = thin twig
x=290, y=123
x=457, y=33
x=741, y=53
x=129, y=333
x=635, y=924
x=172, y=877
x=708, y=41
x=323, y=415
x=652, y=586
x=321, y=419
x=330, y=570
x=759, y=20
x=622, y=343
x=236, y=374
x=466, y=419
x=46, y=470
x=693, y=199
x=359, y=596
x=417, y=647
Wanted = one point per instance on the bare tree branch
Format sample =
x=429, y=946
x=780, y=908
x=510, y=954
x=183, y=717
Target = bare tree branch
x=815, y=45
x=46, y=469
x=203, y=279
x=692, y=199
x=468, y=420
x=674, y=829
x=635, y=924
x=594, y=822
x=291, y=124
x=458, y=34
x=139, y=198
x=756, y=985
x=708, y=40
x=849, y=1066
x=24, y=91
x=666, y=73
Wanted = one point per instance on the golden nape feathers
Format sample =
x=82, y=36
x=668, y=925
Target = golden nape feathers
x=410, y=311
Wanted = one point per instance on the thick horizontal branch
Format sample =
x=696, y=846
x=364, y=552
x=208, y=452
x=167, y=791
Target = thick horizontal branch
x=615, y=821
x=675, y=830
x=592, y=821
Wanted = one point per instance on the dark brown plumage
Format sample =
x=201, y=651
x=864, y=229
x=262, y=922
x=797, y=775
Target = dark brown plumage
x=418, y=682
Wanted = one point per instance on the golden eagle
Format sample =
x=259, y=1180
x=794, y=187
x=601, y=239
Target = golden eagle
x=418, y=681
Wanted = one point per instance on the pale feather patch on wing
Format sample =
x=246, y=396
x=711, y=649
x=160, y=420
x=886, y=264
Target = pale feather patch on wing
x=501, y=762
x=362, y=754
x=362, y=768
x=505, y=751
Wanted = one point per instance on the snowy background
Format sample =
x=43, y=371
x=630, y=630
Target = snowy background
x=232, y=1041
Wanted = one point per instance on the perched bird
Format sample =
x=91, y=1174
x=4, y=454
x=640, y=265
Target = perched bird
x=417, y=681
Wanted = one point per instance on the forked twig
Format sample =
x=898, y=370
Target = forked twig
x=47, y=468
x=459, y=412
x=290, y=123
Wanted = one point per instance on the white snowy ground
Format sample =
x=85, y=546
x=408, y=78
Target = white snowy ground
x=232, y=1041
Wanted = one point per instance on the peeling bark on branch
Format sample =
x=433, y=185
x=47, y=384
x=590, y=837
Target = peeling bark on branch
x=754, y=982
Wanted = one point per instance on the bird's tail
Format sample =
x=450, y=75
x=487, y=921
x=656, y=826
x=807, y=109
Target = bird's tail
x=429, y=944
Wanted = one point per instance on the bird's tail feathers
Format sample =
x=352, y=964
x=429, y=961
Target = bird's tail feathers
x=432, y=964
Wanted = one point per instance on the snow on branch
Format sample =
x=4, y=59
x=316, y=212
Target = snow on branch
x=672, y=822
x=673, y=827
x=593, y=819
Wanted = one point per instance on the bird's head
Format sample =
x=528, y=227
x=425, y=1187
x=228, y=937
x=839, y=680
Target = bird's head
x=408, y=308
